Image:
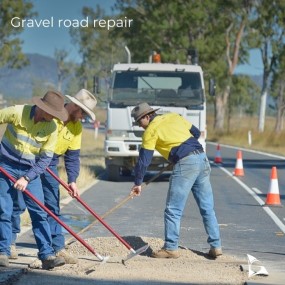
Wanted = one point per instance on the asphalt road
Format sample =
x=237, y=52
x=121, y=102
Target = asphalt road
x=246, y=226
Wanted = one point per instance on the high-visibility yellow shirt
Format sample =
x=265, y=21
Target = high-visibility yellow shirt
x=165, y=133
x=25, y=141
x=68, y=145
x=172, y=136
x=69, y=137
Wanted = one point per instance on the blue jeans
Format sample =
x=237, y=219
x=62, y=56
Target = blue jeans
x=38, y=216
x=52, y=202
x=19, y=207
x=191, y=173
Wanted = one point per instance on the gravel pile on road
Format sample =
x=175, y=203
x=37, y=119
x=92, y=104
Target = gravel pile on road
x=191, y=267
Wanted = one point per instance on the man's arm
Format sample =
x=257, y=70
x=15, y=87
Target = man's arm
x=195, y=132
x=144, y=161
x=72, y=166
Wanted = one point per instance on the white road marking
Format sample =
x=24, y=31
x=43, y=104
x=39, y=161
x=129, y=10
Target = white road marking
x=256, y=190
x=269, y=212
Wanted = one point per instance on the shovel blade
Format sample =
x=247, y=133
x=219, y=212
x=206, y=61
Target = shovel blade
x=135, y=253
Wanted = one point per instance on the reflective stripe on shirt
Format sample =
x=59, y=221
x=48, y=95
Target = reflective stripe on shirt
x=26, y=142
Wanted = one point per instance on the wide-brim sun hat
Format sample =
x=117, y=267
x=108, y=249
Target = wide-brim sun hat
x=53, y=104
x=86, y=101
x=142, y=110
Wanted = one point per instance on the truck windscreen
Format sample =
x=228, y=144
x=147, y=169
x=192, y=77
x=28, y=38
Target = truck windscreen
x=157, y=88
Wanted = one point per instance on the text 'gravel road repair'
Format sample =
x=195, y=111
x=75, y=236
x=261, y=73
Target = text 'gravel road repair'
x=51, y=22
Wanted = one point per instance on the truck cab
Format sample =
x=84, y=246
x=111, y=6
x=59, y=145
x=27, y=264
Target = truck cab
x=175, y=88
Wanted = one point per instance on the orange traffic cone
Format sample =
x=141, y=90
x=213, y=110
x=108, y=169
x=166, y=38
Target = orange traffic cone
x=273, y=197
x=218, y=157
x=239, y=165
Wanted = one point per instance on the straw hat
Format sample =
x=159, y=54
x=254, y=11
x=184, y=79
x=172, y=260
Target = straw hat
x=141, y=110
x=85, y=100
x=53, y=104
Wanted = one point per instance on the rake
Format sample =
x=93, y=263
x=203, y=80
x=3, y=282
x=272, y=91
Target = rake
x=133, y=252
x=83, y=242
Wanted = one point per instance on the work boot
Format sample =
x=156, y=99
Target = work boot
x=13, y=252
x=4, y=260
x=215, y=252
x=69, y=259
x=52, y=261
x=165, y=253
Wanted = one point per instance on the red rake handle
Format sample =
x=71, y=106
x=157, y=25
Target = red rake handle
x=66, y=186
x=51, y=214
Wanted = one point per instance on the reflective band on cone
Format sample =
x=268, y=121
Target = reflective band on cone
x=239, y=165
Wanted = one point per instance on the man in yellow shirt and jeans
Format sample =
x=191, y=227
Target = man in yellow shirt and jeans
x=176, y=140
x=26, y=150
x=68, y=145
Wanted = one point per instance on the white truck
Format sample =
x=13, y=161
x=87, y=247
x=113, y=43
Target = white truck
x=175, y=88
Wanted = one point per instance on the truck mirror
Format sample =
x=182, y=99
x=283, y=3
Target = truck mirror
x=212, y=87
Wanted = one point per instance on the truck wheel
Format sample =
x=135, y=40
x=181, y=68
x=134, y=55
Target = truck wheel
x=114, y=172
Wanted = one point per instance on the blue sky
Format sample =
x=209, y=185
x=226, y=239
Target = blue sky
x=255, y=66
x=45, y=40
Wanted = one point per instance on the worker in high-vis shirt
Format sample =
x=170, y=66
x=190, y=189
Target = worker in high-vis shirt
x=26, y=149
x=176, y=139
x=68, y=145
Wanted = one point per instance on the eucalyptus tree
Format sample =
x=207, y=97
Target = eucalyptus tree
x=171, y=27
x=277, y=90
x=230, y=45
x=269, y=37
x=11, y=54
x=216, y=29
x=96, y=46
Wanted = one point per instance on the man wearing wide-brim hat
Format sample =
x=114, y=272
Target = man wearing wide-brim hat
x=176, y=139
x=26, y=150
x=68, y=145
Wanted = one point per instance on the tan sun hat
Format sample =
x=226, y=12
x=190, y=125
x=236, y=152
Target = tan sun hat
x=141, y=110
x=53, y=104
x=85, y=100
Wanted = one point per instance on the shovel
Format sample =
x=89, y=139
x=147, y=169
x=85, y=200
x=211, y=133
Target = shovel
x=133, y=252
x=83, y=242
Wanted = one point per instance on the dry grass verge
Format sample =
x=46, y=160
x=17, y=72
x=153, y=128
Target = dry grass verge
x=238, y=135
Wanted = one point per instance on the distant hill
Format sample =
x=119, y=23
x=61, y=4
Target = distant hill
x=17, y=83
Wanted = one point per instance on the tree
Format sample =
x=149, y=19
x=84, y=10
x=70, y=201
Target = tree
x=73, y=85
x=64, y=68
x=278, y=90
x=10, y=46
x=215, y=28
x=169, y=26
x=244, y=94
x=269, y=36
x=230, y=22
x=98, y=50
